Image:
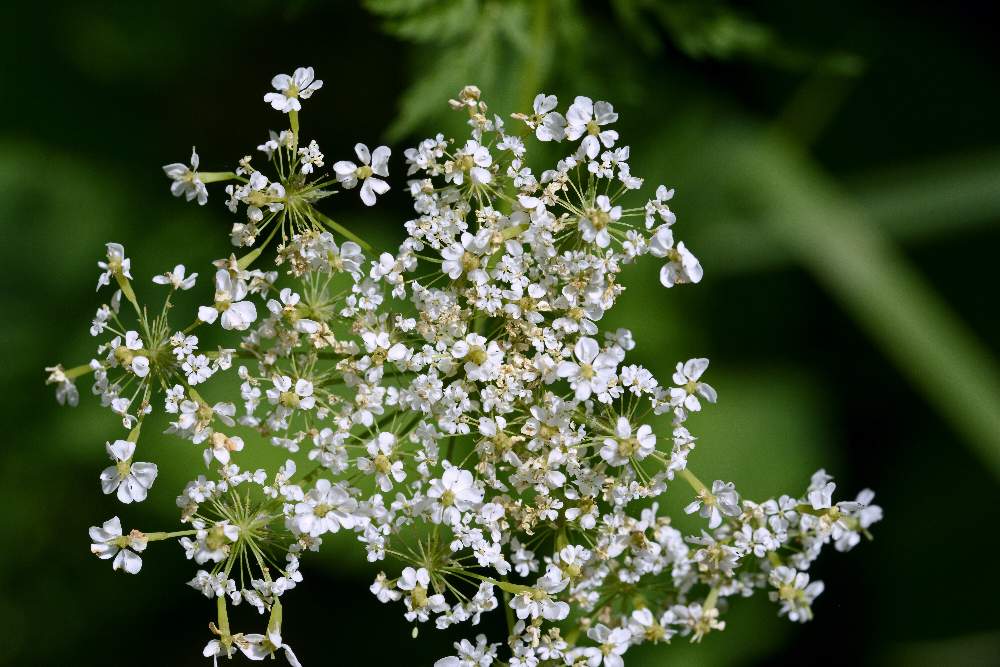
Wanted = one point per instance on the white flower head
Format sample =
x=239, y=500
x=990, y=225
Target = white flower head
x=373, y=164
x=237, y=314
x=131, y=480
x=291, y=89
x=586, y=117
x=186, y=182
x=176, y=278
x=109, y=542
x=117, y=264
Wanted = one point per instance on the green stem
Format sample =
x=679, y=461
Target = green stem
x=77, y=371
x=343, y=231
x=215, y=176
x=695, y=483
x=156, y=537
x=126, y=288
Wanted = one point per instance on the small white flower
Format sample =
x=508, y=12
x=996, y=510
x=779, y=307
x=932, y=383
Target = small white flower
x=586, y=117
x=549, y=125
x=176, y=278
x=325, y=509
x=620, y=449
x=259, y=647
x=221, y=448
x=595, y=225
x=237, y=314
x=454, y=493
x=591, y=371
x=299, y=86
x=794, y=592
x=132, y=481
x=682, y=267
x=299, y=396
x=712, y=505
x=185, y=179
x=375, y=163
x=613, y=643
x=108, y=542
x=310, y=158
x=380, y=463
x=473, y=159
x=690, y=387
x=117, y=264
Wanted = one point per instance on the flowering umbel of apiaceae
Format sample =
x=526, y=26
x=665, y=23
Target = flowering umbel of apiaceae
x=455, y=403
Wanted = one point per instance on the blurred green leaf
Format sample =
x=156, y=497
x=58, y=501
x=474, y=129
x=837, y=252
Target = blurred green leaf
x=714, y=29
x=833, y=238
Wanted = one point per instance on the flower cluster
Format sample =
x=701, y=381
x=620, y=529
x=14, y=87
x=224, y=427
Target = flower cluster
x=454, y=404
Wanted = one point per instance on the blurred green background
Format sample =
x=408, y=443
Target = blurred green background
x=837, y=168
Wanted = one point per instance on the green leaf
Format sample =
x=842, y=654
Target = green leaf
x=861, y=268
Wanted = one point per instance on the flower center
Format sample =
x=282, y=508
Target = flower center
x=382, y=464
x=476, y=355
x=469, y=262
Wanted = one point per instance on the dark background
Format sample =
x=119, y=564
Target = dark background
x=838, y=172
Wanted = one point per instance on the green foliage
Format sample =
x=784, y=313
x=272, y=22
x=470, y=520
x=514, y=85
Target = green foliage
x=713, y=29
x=505, y=47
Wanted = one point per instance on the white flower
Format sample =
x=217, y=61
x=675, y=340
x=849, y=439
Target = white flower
x=613, y=643
x=722, y=499
x=594, y=226
x=418, y=603
x=221, y=447
x=259, y=647
x=482, y=359
x=591, y=371
x=821, y=488
x=285, y=140
x=310, y=157
x=464, y=256
x=482, y=654
x=380, y=464
x=299, y=86
x=549, y=125
x=176, y=278
x=300, y=396
x=108, y=542
x=795, y=593
x=237, y=314
x=586, y=117
x=131, y=480
x=472, y=159
x=185, y=179
x=682, y=267
x=453, y=494
x=210, y=544
x=66, y=391
x=619, y=450
x=325, y=509
x=645, y=628
x=690, y=388
x=375, y=163
x=117, y=264
x=540, y=602
x=197, y=368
